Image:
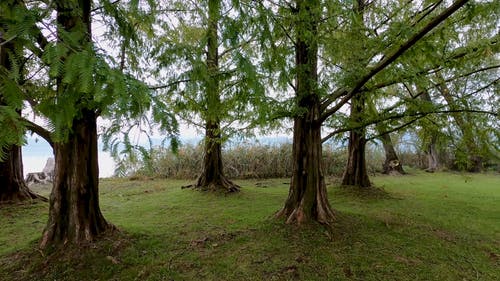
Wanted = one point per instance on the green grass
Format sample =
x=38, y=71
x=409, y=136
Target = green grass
x=439, y=226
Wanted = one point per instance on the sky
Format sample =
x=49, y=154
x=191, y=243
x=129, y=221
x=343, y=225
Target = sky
x=37, y=151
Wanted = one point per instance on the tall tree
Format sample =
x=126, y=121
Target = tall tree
x=12, y=185
x=355, y=173
x=74, y=213
x=212, y=176
x=307, y=200
x=217, y=87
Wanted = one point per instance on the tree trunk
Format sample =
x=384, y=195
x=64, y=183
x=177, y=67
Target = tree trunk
x=391, y=165
x=307, y=198
x=74, y=214
x=356, y=173
x=13, y=189
x=212, y=177
x=432, y=156
x=12, y=185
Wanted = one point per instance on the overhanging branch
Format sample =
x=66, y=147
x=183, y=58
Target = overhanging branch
x=39, y=130
x=392, y=57
x=417, y=115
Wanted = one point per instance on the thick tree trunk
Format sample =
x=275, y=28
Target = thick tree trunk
x=355, y=173
x=74, y=214
x=432, y=156
x=391, y=164
x=13, y=189
x=12, y=185
x=307, y=198
x=212, y=177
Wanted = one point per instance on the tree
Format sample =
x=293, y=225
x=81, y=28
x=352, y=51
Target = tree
x=217, y=80
x=74, y=213
x=12, y=185
x=71, y=83
x=307, y=199
x=392, y=164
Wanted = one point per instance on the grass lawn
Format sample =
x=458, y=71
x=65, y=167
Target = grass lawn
x=439, y=226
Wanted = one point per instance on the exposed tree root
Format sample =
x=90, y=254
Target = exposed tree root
x=23, y=195
x=215, y=185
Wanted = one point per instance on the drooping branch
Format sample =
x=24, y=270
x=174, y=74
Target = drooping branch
x=389, y=59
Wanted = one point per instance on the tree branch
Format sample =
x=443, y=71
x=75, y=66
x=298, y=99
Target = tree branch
x=169, y=84
x=392, y=57
x=418, y=115
x=39, y=130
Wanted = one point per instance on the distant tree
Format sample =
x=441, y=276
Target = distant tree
x=210, y=50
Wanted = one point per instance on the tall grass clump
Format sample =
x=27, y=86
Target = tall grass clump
x=243, y=161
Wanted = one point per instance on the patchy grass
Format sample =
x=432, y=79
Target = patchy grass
x=419, y=227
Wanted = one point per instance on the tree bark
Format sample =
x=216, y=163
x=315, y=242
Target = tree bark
x=212, y=177
x=13, y=189
x=74, y=214
x=12, y=185
x=356, y=173
x=432, y=156
x=307, y=198
x=391, y=163
x=431, y=151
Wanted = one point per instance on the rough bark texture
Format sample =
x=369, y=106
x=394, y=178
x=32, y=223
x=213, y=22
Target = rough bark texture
x=432, y=156
x=307, y=198
x=13, y=189
x=355, y=173
x=12, y=185
x=431, y=150
x=212, y=177
x=391, y=164
x=74, y=214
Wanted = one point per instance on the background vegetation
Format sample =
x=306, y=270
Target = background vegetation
x=244, y=160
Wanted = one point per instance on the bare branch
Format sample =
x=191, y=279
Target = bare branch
x=39, y=130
